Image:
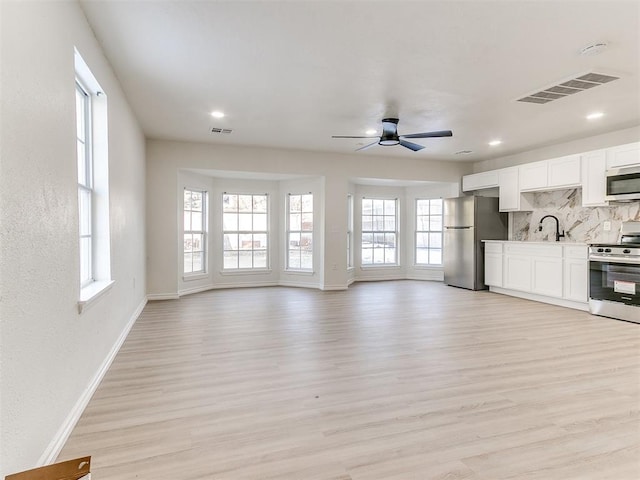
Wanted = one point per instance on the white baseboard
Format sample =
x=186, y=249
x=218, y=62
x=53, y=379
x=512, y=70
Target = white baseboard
x=55, y=446
x=162, y=296
x=334, y=287
x=541, y=298
x=297, y=284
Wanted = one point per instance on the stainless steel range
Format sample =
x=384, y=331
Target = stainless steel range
x=614, y=276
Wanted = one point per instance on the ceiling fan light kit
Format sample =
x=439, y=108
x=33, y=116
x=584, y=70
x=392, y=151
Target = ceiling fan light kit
x=390, y=136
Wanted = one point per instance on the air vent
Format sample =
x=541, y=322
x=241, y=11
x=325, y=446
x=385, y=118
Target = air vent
x=569, y=87
x=221, y=130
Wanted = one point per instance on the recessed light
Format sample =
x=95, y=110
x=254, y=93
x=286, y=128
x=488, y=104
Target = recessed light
x=217, y=114
x=371, y=132
x=493, y=143
x=595, y=115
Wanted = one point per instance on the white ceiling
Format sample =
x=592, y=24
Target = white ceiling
x=290, y=74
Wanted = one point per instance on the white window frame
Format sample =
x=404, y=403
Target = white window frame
x=429, y=232
x=92, y=163
x=299, y=232
x=252, y=231
x=349, y=231
x=384, y=231
x=202, y=231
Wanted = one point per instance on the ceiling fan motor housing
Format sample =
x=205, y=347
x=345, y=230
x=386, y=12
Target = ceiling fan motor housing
x=389, y=132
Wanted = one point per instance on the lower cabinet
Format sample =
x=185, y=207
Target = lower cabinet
x=545, y=270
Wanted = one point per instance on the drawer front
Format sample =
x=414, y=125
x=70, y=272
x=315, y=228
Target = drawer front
x=576, y=251
x=493, y=247
x=533, y=250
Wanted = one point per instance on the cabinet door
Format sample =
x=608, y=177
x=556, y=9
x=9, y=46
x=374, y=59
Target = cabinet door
x=493, y=269
x=547, y=276
x=477, y=181
x=509, y=190
x=564, y=171
x=533, y=176
x=517, y=272
x=576, y=279
x=594, y=182
x=623, y=155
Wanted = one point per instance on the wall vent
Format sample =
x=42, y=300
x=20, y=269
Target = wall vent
x=564, y=89
x=220, y=130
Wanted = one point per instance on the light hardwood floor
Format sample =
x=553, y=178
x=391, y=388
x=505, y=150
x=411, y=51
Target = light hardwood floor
x=388, y=380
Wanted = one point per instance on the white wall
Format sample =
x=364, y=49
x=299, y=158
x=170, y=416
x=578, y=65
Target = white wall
x=596, y=142
x=50, y=354
x=329, y=176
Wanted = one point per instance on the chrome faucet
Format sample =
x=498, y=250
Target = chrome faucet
x=558, y=234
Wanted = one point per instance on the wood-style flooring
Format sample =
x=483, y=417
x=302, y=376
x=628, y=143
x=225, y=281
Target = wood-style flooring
x=387, y=380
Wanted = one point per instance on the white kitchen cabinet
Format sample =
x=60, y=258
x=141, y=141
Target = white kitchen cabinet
x=594, y=182
x=479, y=181
x=493, y=264
x=517, y=267
x=546, y=275
x=576, y=273
x=550, y=174
x=624, y=155
x=509, y=191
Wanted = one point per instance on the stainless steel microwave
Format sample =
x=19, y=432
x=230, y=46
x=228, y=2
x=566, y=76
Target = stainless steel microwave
x=623, y=184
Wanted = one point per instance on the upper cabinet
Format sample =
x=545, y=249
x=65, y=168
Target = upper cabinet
x=550, y=174
x=511, y=200
x=594, y=184
x=479, y=181
x=623, y=155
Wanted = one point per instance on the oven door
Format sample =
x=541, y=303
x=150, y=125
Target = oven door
x=614, y=281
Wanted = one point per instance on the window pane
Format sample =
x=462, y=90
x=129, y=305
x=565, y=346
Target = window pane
x=244, y=222
x=367, y=256
x=245, y=259
x=197, y=244
x=378, y=255
x=436, y=206
x=196, y=201
x=435, y=256
x=82, y=165
x=422, y=207
x=230, y=260
x=85, y=260
x=197, y=262
x=294, y=258
x=367, y=206
x=306, y=260
x=80, y=119
x=246, y=241
x=245, y=203
x=196, y=221
x=390, y=239
x=307, y=203
x=422, y=240
x=84, y=212
x=230, y=241
x=260, y=259
x=260, y=241
x=389, y=207
x=390, y=224
x=378, y=239
x=390, y=255
x=378, y=207
x=294, y=203
x=187, y=200
x=422, y=223
x=435, y=224
x=260, y=203
x=307, y=222
x=295, y=222
x=367, y=238
x=230, y=222
x=188, y=264
x=306, y=241
x=435, y=240
x=229, y=203
x=422, y=256
x=260, y=222
x=188, y=242
x=294, y=240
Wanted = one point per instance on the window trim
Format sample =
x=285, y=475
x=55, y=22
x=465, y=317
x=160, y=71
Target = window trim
x=350, y=242
x=267, y=233
x=397, y=263
x=288, y=232
x=86, y=185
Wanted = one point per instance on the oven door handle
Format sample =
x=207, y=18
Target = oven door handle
x=602, y=258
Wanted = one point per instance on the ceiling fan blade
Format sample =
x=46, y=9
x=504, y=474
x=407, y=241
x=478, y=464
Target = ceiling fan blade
x=347, y=136
x=441, y=133
x=410, y=145
x=366, y=146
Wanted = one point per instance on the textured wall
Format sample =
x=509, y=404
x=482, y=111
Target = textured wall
x=48, y=352
x=581, y=224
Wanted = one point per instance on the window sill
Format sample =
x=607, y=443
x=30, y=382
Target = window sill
x=428, y=267
x=195, y=276
x=379, y=265
x=299, y=272
x=246, y=271
x=92, y=293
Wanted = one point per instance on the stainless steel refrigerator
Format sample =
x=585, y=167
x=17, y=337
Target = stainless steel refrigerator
x=468, y=221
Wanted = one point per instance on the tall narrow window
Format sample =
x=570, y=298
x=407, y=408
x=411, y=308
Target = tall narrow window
x=349, y=231
x=195, y=232
x=429, y=231
x=92, y=163
x=245, y=231
x=300, y=232
x=379, y=231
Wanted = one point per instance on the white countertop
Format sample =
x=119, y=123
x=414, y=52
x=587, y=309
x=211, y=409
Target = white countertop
x=532, y=242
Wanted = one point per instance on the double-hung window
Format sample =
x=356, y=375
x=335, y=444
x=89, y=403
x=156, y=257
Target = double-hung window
x=300, y=232
x=379, y=231
x=245, y=231
x=85, y=182
x=349, y=231
x=428, y=231
x=195, y=231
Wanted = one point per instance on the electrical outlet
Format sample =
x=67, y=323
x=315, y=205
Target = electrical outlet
x=606, y=226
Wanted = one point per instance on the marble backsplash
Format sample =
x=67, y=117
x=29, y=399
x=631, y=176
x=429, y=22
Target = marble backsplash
x=581, y=224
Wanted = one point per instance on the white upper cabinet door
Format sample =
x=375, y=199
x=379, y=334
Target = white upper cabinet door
x=564, y=171
x=624, y=155
x=478, y=181
x=533, y=176
x=594, y=183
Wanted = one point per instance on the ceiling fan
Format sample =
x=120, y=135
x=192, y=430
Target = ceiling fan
x=390, y=136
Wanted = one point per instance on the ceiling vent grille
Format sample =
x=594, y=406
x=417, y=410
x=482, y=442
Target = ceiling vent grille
x=220, y=130
x=564, y=89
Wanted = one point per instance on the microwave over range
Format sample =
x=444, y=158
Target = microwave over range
x=623, y=184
